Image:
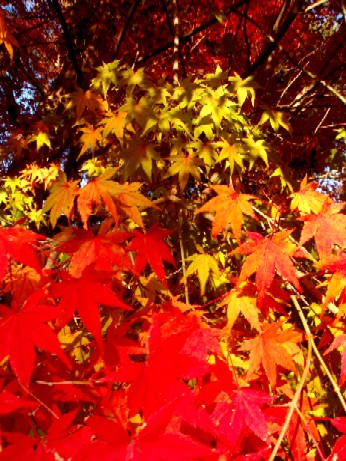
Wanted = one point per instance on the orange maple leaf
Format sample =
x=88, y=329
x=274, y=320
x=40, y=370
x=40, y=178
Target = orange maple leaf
x=269, y=348
x=86, y=100
x=115, y=197
x=328, y=227
x=267, y=256
x=115, y=123
x=229, y=208
x=90, y=137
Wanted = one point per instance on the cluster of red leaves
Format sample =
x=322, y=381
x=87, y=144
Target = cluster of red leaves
x=87, y=376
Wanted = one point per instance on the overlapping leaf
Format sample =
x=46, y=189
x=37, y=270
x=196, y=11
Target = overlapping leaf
x=266, y=257
x=151, y=249
x=229, y=208
x=23, y=330
x=61, y=198
x=269, y=349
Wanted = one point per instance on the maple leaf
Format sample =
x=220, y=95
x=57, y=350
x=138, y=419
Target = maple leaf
x=10, y=402
x=86, y=100
x=89, y=139
x=267, y=256
x=159, y=381
x=238, y=413
x=103, y=250
x=34, y=174
x=41, y=139
x=269, y=348
x=307, y=199
x=154, y=441
x=244, y=88
x=61, y=198
x=22, y=330
x=339, y=341
x=233, y=152
x=139, y=155
x=22, y=282
x=229, y=208
x=84, y=295
x=205, y=265
x=255, y=149
x=124, y=196
x=151, y=249
x=19, y=244
x=106, y=76
x=328, y=227
x=240, y=302
x=115, y=123
x=184, y=167
x=276, y=119
x=6, y=37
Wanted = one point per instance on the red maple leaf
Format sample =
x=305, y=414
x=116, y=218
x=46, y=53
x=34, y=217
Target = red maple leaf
x=23, y=447
x=339, y=450
x=340, y=341
x=158, y=381
x=267, y=256
x=152, y=250
x=20, y=244
x=10, y=402
x=154, y=441
x=104, y=250
x=24, y=329
x=84, y=295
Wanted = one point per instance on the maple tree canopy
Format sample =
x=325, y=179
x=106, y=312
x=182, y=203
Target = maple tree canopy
x=172, y=230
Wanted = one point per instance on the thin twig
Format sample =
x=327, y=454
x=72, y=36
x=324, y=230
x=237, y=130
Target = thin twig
x=293, y=404
x=183, y=263
x=317, y=352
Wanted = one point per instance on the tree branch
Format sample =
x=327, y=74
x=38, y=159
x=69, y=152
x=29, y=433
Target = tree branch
x=274, y=41
x=69, y=43
x=122, y=34
x=187, y=37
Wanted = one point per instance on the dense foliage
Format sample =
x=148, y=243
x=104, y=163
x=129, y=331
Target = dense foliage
x=173, y=282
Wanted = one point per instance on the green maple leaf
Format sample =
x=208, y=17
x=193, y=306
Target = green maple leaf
x=276, y=119
x=232, y=152
x=255, y=149
x=139, y=154
x=106, y=76
x=244, y=88
x=185, y=166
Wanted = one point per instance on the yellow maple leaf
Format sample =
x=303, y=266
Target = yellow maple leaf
x=61, y=198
